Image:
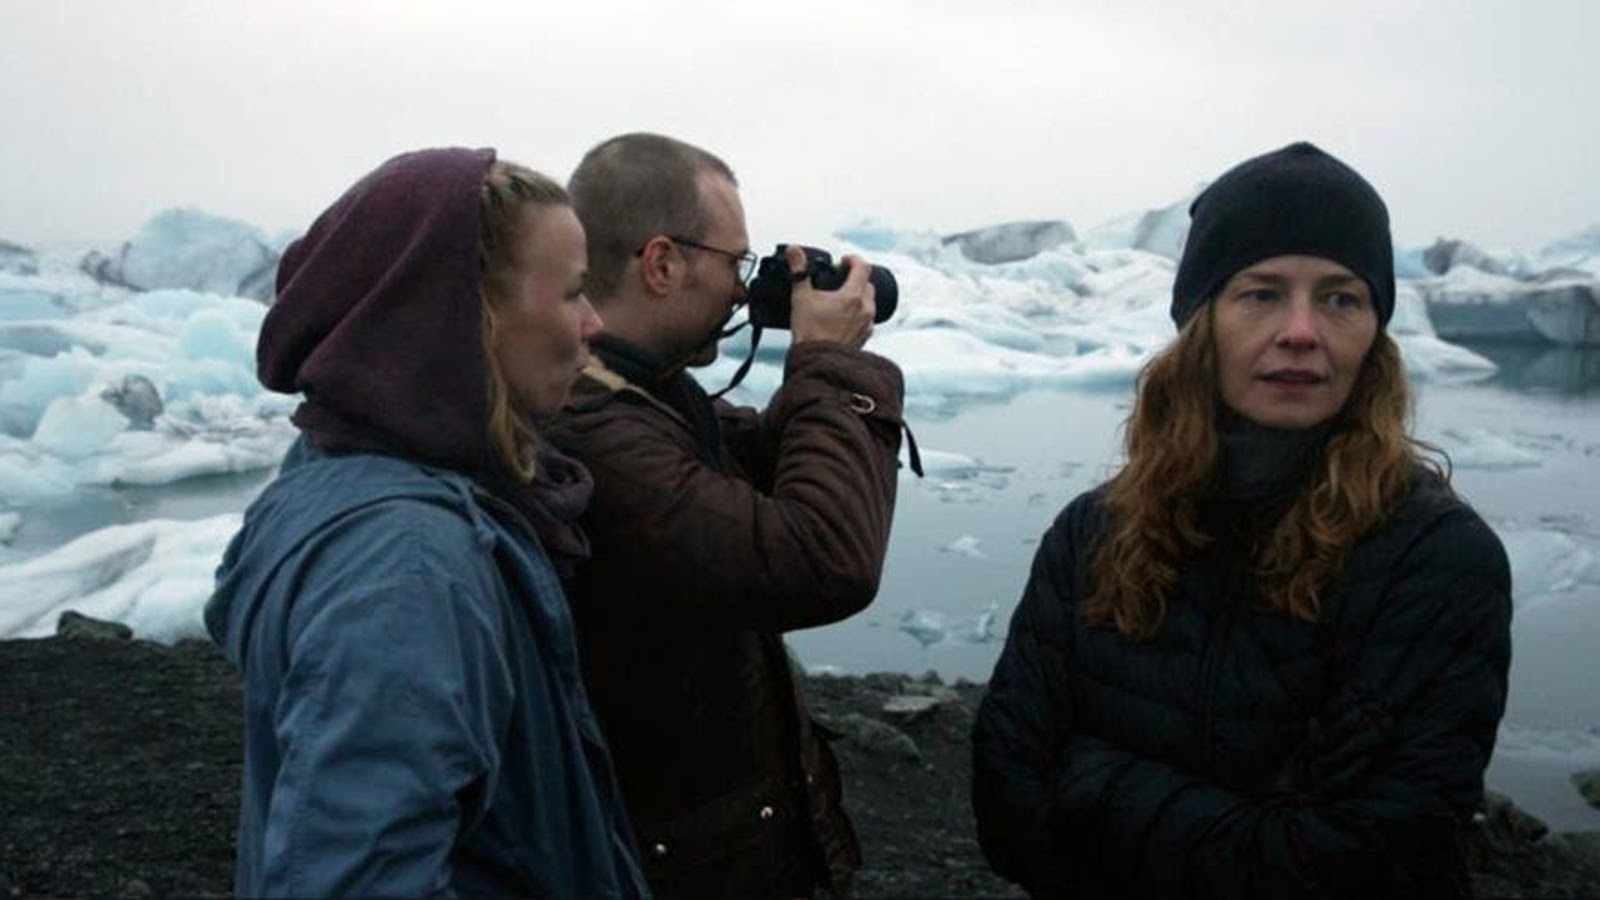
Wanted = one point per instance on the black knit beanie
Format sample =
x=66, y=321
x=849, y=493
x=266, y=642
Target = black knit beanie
x=1294, y=201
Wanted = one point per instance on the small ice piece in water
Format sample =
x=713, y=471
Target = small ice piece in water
x=983, y=628
x=1480, y=448
x=965, y=545
x=8, y=526
x=924, y=625
x=929, y=627
x=1545, y=562
x=944, y=464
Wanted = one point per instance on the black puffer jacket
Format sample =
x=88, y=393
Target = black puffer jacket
x=1244, y=754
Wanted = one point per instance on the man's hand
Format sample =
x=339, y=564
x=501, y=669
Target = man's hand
x=843, y=316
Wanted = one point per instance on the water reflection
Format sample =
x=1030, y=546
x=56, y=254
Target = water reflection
x=1542, y=368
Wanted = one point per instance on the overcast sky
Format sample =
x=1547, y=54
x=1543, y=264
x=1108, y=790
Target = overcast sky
x=1473, y=119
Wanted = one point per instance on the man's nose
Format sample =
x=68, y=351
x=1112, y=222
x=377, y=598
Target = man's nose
x=591, y=324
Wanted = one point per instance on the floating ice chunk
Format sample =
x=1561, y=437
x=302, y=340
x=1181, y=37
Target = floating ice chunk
x=966, y=545
x=1011, y=241
x=1410, y=312
x=943, y=464
x=1558, y=745
x=210, y=334
x=1546, y=562
x=1429, y=359
x=1160, y=231
x=76, y=427
x=23, y=398
x=926, y=627
x=153, y=576
x=9, y=522
x=954, y=363
x=930, y=627
x=187, y=248
x=1481, y=448
x=1579, y=251
x=28, y=475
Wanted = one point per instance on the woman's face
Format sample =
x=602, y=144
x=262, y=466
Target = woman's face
x=543, y=319
x=1291, y=335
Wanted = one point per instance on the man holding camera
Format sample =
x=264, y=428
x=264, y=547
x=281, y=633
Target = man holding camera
x=715, y=529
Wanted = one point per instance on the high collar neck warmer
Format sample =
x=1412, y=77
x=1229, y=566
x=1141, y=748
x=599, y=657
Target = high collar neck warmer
x=1257, y=463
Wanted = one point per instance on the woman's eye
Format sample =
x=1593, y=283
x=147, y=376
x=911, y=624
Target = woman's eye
x=1346, y=300
x=1259, y=295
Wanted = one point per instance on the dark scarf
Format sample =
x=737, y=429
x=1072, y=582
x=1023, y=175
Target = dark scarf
x=677, y=389
x=378, y=323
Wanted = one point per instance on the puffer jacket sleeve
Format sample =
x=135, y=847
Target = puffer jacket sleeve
x=1024, y=719
x=1427, y=690
x=387, y=726
x=801, y=546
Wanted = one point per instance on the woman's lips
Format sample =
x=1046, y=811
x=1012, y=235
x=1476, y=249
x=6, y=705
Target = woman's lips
x=1292, y=377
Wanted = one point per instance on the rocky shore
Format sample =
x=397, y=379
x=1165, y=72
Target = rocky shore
x=120, y=762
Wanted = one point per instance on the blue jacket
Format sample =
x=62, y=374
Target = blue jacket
x=414, y=719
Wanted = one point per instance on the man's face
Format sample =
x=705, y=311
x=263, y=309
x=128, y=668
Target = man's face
x=711, y=286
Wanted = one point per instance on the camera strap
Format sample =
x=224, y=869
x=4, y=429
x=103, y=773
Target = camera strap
x=744, y=367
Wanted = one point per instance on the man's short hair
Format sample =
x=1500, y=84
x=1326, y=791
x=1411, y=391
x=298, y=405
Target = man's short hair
x=631, y=188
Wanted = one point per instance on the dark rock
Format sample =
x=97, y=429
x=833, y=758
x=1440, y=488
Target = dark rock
x=137, y=399
x=136, y=888
x=1512, y=854
x=1012, y=241
x=1588, y=784
x=1584, y=843
x=77, y=625
x=1502, y=816
x=877, y=738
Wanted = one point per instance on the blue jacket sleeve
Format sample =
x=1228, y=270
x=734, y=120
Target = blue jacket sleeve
x=387, y=725
x=1436, y=660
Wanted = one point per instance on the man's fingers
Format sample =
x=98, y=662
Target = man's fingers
x=860, y=270
x=795, y=257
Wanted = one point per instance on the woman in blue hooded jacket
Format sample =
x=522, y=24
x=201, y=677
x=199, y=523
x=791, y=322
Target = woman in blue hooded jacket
x=414, y=719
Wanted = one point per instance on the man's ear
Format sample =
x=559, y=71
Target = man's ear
x=660, y=266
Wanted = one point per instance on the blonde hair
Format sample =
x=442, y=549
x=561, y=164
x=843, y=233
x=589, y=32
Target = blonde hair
x=1152, y=505
x=508, y=191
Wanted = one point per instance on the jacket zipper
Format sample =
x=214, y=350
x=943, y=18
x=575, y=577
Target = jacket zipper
x=1211, y=672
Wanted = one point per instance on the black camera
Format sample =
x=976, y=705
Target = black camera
x=768, y=293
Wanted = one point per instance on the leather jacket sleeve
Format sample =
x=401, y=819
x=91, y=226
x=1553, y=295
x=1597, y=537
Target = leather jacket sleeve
x=799, y=544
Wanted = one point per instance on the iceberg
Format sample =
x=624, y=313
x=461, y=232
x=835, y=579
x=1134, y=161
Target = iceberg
x=188, y=248
x=1012, y=241
x=1158, y=231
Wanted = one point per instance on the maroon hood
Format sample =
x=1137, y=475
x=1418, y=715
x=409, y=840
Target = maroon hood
x=377, y=320
x=378, y=323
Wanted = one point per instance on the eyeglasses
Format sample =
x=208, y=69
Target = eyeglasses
x=745, y=262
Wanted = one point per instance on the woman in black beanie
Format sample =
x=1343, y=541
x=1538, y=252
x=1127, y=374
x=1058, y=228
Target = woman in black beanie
x=1269, y=656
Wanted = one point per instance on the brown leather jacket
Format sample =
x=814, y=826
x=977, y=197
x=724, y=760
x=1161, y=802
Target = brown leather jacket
x=702, y=557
